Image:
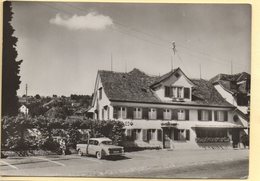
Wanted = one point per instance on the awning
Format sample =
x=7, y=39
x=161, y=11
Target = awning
x=215, y=124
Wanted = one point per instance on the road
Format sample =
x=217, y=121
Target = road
x=228, y=170
x=148, y=163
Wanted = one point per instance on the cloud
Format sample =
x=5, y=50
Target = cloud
x=92, y=20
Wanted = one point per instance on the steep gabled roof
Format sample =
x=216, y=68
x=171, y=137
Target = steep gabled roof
x=132, y=86
x=168, y=75
x=135, y=86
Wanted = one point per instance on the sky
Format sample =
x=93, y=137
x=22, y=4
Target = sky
x=63, y=45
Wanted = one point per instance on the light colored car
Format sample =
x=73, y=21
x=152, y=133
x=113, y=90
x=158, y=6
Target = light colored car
x=99, y=147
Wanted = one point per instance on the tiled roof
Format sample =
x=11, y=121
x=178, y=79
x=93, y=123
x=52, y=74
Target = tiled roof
x=229, y=82
x=135, y=86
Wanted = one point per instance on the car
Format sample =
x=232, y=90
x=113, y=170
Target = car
x=99, y=147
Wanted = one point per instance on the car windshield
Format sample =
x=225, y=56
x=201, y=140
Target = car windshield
x=106, y=142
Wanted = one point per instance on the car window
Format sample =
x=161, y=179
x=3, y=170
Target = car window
x=95, y=142
x=106, y=142
x=91, y=142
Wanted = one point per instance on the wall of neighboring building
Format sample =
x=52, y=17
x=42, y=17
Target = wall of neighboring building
x=225, y=94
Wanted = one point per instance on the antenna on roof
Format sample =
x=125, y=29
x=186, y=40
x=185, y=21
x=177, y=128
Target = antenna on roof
x=125, y=66
x=200, y=71
x=231, y=68
x=174, y=50
x=111, y=59
x=26, y=91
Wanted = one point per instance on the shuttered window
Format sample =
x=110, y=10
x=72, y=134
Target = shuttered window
x=204, y=115
x=187, y=114
x=159, y=134
x=221, y=115
x=144, y=134
x=152, y=113
x=137, y=113
x=186, y=92
x=167, y=91
x=115, y=112
x=130, y=113
x=145, y=113
x=160, y=114
x=167, y=114
x=187, y=134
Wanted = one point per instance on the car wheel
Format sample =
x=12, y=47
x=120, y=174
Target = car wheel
x=80, y=153
x=99, y=155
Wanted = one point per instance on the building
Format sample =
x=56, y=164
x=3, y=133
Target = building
x=23, y=109
x=169, y=111
x=236, y=90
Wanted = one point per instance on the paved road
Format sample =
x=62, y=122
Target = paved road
x=228, y=170
x=142, y=162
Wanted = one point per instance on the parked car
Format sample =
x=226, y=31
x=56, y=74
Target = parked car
x=99, y=147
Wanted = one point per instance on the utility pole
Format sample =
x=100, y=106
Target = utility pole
x=231, y=64
x=200, y=71
x=111, y=59
x=26, y=92
x=174, y=50
x=126, y=66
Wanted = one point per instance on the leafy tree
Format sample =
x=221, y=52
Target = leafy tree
x=11, y=67
x=37, y=96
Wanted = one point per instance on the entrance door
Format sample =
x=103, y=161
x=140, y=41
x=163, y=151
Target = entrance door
x=167, y=138
x=235, y=137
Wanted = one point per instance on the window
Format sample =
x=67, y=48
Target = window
x=186, y=92
x=204, y=115
x=121, y=112
x=100, y=93
x=187, y=134
x=179, y=135
x=212, y=133
x=166, y=114
x=138, y=134
x=220, y=115
x=181, y=115
x=152, y=113
x=167, y=91
x=138, y=113
x=103, y=114
x=91, y=142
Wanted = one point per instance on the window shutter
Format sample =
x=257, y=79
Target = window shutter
x=167, y=91
x=186, y=92
x=170, y=91
x=133, y=134
x=210, y=115
x=159, y=135
x=149, y=134
x=225, y=116
x=130, y=112
x=174, y=114
x=199, y=115
x=160, y=114
x=145, y=113
x=115, y=115
x=187, y=134
x=187, y=114
x=216, y=115
x=145, y=134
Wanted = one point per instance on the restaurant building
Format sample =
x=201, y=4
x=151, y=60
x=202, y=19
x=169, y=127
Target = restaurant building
x=170, y=111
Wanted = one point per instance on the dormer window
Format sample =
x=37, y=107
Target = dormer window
x=100, y=93
x=177, y=92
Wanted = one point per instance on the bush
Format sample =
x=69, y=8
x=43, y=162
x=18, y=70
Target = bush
x=51, y=145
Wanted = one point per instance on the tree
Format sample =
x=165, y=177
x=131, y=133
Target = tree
x=37, y=96
x=11, y=67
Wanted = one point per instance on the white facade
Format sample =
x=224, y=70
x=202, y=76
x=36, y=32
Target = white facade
x=176, y=125
x=23, y=109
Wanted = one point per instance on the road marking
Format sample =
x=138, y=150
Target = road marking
x=9, y=164
x=58, y=163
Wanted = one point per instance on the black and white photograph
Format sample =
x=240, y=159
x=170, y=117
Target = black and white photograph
x=125, y=90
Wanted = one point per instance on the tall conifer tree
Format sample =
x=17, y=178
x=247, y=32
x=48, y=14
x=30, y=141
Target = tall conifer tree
x=10, y=67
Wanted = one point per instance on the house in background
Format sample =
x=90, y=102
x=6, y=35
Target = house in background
x=169, y=111
x=236, y=90
x=23, y=109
